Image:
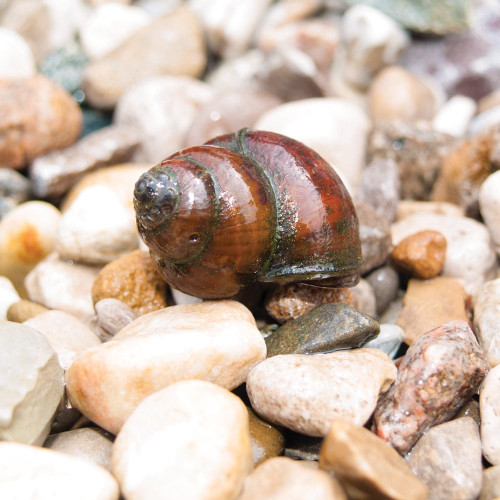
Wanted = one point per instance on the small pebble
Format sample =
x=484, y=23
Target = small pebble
x=489, y=203
x=388, y=340
x=366, y=467
x=454, y=117
x=14, y=186
x=16, y=58
x=485, y=120
x=385, y=285
x=447, y=459
x=266, y=439
x=364, y=298
x=113, y=315
x=193, y=426
x=489, y=405
x=421, y=254
x=22, y=310
x=8, y=296
x=440, y=372
x=305, y=393
x=491, y=483
x=470, y=409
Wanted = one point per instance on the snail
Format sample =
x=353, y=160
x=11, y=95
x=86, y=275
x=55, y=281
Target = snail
x=246, y=207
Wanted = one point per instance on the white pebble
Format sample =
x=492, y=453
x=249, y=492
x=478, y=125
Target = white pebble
x=489, y=406
x=16, y=58
x=489, y=203
x=454, y=117
x=8, y=295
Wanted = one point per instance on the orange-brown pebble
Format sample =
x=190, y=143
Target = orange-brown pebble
x=133, y=279
x=290, y=301
x=428, y=304
x=22, y=310
x=421, y=254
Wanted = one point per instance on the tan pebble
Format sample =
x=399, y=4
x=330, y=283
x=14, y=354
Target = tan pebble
x=366, y=466
x=491, y=100
x=406, y=208
x=23, y=310
x=429, y=304
x=267, y=441
x=421, y=254
x=133, y=280
x=491, y=483
x=489, y=406
x=282, y=477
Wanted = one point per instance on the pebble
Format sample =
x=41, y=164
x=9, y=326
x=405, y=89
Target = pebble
x=489, y=101
x=193, y=426
x=385, y=285
x=113, y=315
x=92, y=445
x=96, y=229
x=366, y=467
x=27, y=236
x=266, y=439
x=133, y=280
x=469, y=252
x=53, y=174
x=440, y=371
x=162, y=110
x=485, y=120
x=172, y=44
x=22, y=310
x=380, y=187
x=183, y=298
x=38, y=116
x=14, y=187
x=489, y=406
x=326, y=328
x=229, y=24
x=417, y=149
x=375, y=236
x=370, y=40
x=16, y=58
x=406, y=208
x=364, y=298
x=454, y=116
x=305, y=393
x=292, y=300
x=421, y=255
x=282, y=477
x=34, y=472
x=63, y=285
x=489, y=203
x=491, y=484
x=218, y=344
x=399, y=94
x=391, y=314
x=108, y=26
x=31, y=385
x=8, y=296
x=389, y=339
x=486, y=308
x=470, y=409
x=336, y=129
x=67, y=335
x=447, y=458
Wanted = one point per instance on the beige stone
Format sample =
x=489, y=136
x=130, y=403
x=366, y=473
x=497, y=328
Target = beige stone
x=491, y=483
x=305, y=393
x=113, y=315
x=489, y=405
x=22, y=310
x=406, y=208
x=188, y=441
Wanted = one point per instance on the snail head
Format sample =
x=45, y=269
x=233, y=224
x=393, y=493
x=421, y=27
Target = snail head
x=156, y=197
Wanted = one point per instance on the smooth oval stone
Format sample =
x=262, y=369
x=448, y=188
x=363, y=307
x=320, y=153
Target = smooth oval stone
x=267, y=441
x=489, y=405
x=325, y=328
x=447, y=458
x=191, y=440
x=30, y=472
x=208, y=341
x=385, y=284
x=366, y=467
x=305, y=393
x=282, y=477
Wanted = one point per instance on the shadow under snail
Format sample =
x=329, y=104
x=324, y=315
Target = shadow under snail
x=246, y=207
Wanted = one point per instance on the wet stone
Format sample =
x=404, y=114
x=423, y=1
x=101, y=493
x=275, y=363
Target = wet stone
x=266, y=440
x=325, y=328
x=385, y=285
x=440, y=372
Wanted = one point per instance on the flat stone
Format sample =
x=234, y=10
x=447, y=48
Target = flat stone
x=133, y=280
x=366, y=467
x=266, y=440
x=489, y=205
x=194, y=426
x=67, y=335
x=16, y=58
x=37, y=117
x=305, y=393
x=489, y=405
x=326, y=328
x=215, y=341
x=486, y=308
x=388, y=340
x=410, y=207
x=8, y=296
x=454, y=116
x=96, y=229
x=172, y=44
x=440, y=372
x=447, y=458
x=27, y=236
x=22, y=310
x=385, y=284
x=53, y=174
x=491, y=483
x=113, y=315
x=290, y=301
x=31, y=385
x=92, y=445
x=421, y=254
x=31, y=471
x=282, y=477
x=63, y=285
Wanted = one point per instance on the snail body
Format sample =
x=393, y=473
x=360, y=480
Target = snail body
x=245, y=207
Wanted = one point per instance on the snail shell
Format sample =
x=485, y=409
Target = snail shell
x=245, y=207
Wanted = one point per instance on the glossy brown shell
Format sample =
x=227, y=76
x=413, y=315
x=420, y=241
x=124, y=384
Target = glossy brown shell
x=254, y=206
